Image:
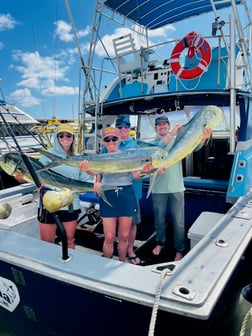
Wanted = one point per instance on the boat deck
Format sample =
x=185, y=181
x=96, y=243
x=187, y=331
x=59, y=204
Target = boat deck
x=190, y=287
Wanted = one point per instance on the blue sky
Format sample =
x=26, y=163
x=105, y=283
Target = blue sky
x=40, y=64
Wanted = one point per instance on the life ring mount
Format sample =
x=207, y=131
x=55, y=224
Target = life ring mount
x=198, y=48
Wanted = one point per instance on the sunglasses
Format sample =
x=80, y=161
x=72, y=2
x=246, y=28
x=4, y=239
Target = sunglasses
x=114, y=139
x=123, y=126
x=62, y=135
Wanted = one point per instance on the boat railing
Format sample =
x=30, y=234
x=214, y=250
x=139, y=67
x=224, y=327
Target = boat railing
x=153, y=74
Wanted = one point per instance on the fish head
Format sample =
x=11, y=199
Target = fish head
x=212, y=116
x=10, y=163
x=5, y=210
x=159, y=158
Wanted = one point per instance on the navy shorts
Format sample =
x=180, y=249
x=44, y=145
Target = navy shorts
x=122, y=201
x=64, y=216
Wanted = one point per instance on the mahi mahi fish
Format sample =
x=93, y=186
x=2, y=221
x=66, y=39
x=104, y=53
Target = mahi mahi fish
x=189, y=137
x=12, y=163
x=125, y=161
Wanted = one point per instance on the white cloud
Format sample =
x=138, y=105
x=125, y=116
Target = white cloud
x=154, y=35
x=24, y=97
x=63, y=31
x=83, y=32
x=161, y=32
x=36, y=70
x=7, y=22
x=61, y=91
x=41, y=76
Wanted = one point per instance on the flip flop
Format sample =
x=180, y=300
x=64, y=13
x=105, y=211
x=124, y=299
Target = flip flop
x=133, y=260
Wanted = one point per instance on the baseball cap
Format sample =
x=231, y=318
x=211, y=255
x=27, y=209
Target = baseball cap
x=161, y=119
x=65, y=128
x=122, y=120
x=110, y=131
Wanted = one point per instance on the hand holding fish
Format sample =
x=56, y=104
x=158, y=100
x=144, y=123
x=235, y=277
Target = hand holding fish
x=171, y=134
x=147, y=168
x=20, y=178
x=207, y=133
x=175, y=129
x=161, y=170
x=84, y=166
x=97, y=187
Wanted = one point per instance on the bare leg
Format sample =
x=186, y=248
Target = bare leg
x=109, y=229
x=131, y=253
x=123, y=236
x=70, y=228
x=47, y=232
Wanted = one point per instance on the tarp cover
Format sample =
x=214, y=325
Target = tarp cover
x=157, y=13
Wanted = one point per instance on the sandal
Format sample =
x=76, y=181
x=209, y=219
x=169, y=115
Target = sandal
x=135, y=260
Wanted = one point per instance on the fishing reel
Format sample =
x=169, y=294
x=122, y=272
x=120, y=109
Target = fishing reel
x=90, y=218
x=93, y=215
x=217, y=25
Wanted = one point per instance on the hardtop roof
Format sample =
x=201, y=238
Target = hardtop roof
x=153, y=14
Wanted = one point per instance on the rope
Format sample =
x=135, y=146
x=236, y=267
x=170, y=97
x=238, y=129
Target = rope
x=245, y=322
x=156, y=302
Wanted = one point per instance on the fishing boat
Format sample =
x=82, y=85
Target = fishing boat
x=15, y=121
x=46, y=289
x=20, y=124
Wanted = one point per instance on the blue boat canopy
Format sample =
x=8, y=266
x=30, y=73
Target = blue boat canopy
x=153, y=14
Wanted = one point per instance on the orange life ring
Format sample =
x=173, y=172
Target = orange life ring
x=196, y=45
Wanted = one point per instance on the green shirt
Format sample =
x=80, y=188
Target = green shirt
x=171, y=180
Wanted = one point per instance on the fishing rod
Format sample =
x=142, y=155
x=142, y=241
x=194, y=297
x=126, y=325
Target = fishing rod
x=38, y=184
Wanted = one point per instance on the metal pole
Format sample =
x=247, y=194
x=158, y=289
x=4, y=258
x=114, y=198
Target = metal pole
x=232, y=81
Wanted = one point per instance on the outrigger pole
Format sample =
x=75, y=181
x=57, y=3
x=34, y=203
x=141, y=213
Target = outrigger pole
x=38, y=184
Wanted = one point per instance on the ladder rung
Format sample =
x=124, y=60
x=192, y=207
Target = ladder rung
x=90, y=151
x=88, y=119
x=89, y=135
x=90, y=102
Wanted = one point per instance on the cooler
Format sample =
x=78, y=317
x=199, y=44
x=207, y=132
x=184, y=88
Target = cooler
x=202, y=225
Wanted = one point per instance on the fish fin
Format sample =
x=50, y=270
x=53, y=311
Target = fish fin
x=51, y=156
x=47, y=153
x=103, y=196
x=151, y=184
x=49, y=166
x=142, y=143
x=182, y=131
